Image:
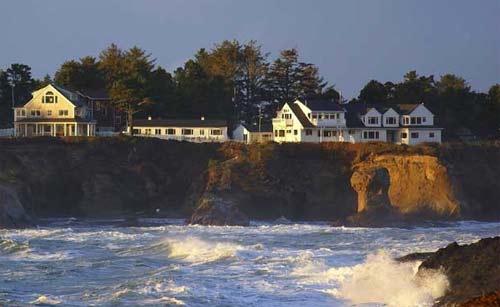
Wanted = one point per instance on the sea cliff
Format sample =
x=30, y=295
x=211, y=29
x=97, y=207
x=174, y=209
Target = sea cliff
x=347, y=183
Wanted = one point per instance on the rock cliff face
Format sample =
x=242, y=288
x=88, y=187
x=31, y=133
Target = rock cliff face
x=412, y=184
x=117, y=176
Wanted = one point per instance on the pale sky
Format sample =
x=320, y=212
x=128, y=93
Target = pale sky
x=351, y=41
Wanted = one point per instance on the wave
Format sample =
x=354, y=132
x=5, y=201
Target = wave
x=379, y=280
x=45, y=301
x=9, y=246
x=195, y=250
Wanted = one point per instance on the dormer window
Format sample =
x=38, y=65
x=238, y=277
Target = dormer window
x=49, y=97
x=373, y=120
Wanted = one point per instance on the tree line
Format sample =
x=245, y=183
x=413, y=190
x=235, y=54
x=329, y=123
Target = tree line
x=239, y=82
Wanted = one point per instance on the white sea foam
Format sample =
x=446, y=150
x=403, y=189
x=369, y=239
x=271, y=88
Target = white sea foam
x=195, y=250
x=381, y=279
x=45, y=301
x=164, y=300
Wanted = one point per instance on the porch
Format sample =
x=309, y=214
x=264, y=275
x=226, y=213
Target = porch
x=54, y=129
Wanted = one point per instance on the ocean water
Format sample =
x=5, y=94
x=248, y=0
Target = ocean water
x=95, y=263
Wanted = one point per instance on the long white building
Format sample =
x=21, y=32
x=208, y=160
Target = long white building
x=325, y=121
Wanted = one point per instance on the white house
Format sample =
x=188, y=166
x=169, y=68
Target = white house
x=409, y=124
x=253, y=133
x=315, y=121
x=182, y=130
x=325, y=121
x=54, y=111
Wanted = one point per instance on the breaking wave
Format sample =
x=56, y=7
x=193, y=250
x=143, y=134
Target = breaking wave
x=194, y=250
x=383, y=280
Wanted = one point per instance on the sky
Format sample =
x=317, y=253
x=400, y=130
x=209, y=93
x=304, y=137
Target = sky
x=351, y=41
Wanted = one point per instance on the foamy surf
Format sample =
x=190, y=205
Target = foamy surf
x=382, y=280
x=195, y=250
x=296, y=265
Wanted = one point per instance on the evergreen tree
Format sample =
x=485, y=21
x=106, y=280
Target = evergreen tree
x=80, y=75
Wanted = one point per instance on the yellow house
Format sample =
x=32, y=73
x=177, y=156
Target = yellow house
x=54, y=111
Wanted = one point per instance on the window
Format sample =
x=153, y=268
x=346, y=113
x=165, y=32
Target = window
x=216, y=132
x=351, y=132
x=147, y=131
x=327, y=133
x=202, y=131
x=295, y=132
x=431, y=134
x=137, y=131
x=187, y=131
x=413, y=120
x=373, y=120
x=419, y=120
x=289, y=131
x=35, y=113
x=334, y=133
x=63, y=112
x=170, y=131
x=406, y=120
x=309, y=132
x=158, y=131
x=404, y=135
x=423, y=119
x=49, y=113
x=281, y=133
x=370, y=135
x=414, y=135
x=287, y=116
x=49, y=97
x=390, y=120
x=315, y=116
x=309, y=115
x=21, y=113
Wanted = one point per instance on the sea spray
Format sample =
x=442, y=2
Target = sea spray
x=381, y=279
x=195, y=250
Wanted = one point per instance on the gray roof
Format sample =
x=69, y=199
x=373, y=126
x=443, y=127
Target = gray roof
x=180, y=123
x=68, y=94
x=94, y=94
x=255, y=128
x=323, y=105
x=306, y=123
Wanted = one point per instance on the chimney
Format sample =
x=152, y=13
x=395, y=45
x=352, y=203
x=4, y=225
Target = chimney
x=203, y=118
x=149, y=118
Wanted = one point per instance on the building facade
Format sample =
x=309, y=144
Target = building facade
x=249, y=134
x=54, y=111
x=325, y=121
x=199, y=131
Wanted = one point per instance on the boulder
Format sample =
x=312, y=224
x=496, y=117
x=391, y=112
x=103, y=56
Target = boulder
x=12, y=212
x=213, y=210
x=473, y=270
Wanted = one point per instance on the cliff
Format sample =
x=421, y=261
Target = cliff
x=111, y=177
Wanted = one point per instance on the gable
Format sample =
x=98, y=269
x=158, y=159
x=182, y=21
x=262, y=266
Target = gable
x=373, y=113
x=391, y=113
x=49, y=93
x=421, y=110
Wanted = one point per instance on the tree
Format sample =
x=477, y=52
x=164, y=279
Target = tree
x=288, y=79
x=80, y=75
x=20, y=76
x=374, y=92
x=128, y=76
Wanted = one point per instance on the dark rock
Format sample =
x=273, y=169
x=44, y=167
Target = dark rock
x=12, y=212
x=472, y=270
x=414, y=257
x=216, y=211
x=487, y=300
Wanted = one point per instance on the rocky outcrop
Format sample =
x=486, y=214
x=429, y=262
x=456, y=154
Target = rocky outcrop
x=12, y=212
x=410, y=184
x=377, y=183
x=472, y=270
x=218, y=212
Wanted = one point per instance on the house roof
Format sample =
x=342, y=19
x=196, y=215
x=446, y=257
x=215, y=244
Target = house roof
x=94, y=94
x=323, y=105
x=304, y=121
x=354, y=111
x=69, y=95
x=255, y=128
x=179, y=123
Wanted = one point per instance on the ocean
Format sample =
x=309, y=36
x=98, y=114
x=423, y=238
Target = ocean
x=70, y=262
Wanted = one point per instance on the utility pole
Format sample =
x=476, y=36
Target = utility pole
x=260, y=122
x=13, y=85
